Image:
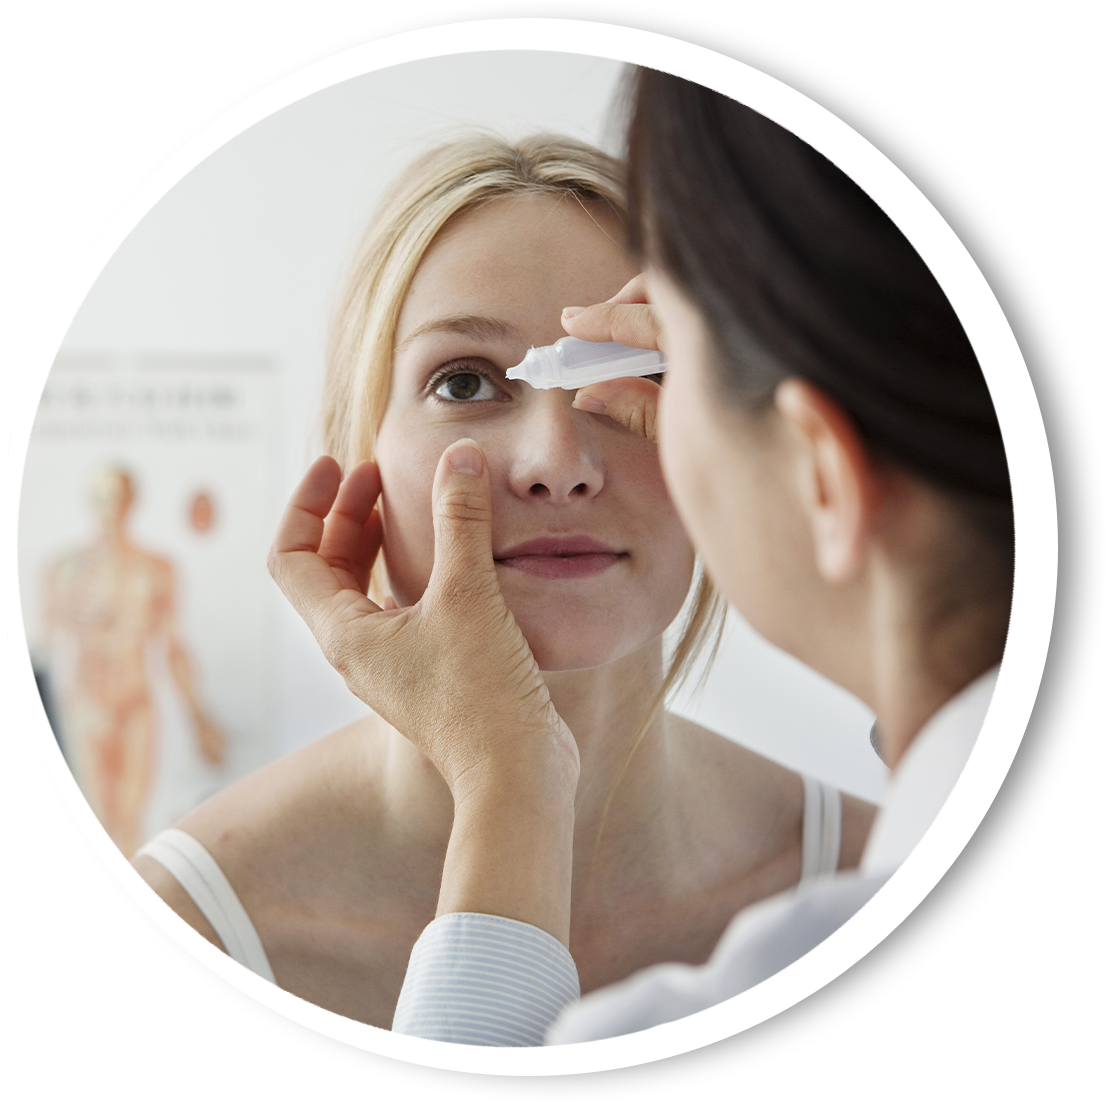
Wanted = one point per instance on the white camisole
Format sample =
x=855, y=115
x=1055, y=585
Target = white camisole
x=197, y=872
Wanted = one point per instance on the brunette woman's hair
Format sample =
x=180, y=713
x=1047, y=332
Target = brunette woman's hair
x=798, y=272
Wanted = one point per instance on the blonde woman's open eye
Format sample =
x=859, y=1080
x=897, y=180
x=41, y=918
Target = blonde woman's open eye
x=464, y=386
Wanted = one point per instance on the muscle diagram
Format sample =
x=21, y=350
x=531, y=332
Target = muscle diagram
x=115, y=601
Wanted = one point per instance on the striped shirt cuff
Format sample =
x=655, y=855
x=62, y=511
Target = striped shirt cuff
x=477, y=979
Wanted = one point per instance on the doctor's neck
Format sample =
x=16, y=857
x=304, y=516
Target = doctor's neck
x=937, y=614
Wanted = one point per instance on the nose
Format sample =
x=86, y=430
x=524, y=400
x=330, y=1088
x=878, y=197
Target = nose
x=555, y=455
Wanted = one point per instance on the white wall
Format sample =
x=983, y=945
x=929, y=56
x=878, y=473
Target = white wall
x=244, y=257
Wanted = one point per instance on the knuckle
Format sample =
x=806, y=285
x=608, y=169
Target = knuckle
x=464, y=505
x=332, y=631
x=333, y=651
x=643, y=418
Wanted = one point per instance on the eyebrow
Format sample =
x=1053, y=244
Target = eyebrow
x=477, y=326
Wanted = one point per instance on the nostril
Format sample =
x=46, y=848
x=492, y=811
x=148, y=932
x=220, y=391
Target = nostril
x=540, y=489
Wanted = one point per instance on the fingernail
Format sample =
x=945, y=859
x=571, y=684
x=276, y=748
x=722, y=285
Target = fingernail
x=465, y=459
x=572, y=311
x=589, y=404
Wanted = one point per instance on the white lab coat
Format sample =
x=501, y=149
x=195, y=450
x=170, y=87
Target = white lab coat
x=483, y=979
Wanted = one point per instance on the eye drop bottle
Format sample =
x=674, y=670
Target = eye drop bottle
x=572, y=363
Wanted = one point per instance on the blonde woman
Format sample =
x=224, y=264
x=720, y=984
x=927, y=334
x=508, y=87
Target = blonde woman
x=321, y=870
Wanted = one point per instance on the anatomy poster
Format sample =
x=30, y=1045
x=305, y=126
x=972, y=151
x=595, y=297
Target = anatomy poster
x=146, y=513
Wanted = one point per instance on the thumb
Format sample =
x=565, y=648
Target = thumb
x=463, y=563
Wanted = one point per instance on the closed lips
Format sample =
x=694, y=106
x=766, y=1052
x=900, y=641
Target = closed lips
x=560, y=557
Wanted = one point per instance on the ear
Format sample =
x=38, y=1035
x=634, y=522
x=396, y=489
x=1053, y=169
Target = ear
x=836, y=481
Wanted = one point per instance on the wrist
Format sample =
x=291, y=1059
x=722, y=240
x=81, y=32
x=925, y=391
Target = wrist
x=510, y=849
x=519, y=783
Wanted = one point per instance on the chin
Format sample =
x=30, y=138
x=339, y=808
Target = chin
x=575, y=646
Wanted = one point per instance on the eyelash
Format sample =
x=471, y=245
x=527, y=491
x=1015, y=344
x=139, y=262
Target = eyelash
x=452, y=369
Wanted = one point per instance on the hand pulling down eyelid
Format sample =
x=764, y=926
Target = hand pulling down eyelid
x=572, y=363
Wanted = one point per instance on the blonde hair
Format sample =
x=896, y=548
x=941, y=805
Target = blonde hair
x=438, y=187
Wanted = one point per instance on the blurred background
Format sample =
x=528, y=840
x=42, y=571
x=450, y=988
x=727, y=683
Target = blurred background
x=181, y=411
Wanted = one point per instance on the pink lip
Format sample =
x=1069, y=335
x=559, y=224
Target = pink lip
x=560, y=557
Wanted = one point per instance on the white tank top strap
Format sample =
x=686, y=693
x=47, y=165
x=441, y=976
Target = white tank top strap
x=200, y=876
x=821, y=829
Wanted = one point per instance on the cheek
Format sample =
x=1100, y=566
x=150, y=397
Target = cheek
x=408, y=451
x=407, y=477
x=729, y=492
x=720, y=493
x=690, y=462
x=671, y=557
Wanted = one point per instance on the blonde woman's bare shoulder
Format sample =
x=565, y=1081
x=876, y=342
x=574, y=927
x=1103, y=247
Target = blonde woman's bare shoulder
x=768, y=790
x=260, y=825
x=708, y=753
x=335, y=852
x=746, y=810
x=306, y=790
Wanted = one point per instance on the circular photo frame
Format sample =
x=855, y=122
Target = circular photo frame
x=1034, y=507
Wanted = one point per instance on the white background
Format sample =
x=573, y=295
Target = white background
x=1065, y=1063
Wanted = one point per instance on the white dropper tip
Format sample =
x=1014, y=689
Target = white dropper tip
x=531, y=369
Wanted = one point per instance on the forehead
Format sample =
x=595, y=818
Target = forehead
x=519, y=257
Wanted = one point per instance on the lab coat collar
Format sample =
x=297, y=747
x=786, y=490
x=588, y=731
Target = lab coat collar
x=926, y=775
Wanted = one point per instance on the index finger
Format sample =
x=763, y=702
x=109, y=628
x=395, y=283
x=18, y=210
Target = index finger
x=353, y=532
x=301, y=526
x=632, y=324
x=627, y=317
x=304, y=576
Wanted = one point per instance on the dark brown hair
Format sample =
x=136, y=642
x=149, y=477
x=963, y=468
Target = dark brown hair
x=798, y=272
